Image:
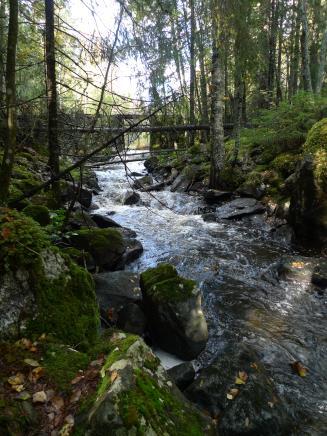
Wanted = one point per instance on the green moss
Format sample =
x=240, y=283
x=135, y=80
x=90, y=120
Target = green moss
x=285, y=163
x=316, y=146
x=67, y=306
x=62, y=363
x=164, y=284
x=39, y=213
x=231, y=177
x=160, y=409
x=22, y=240
x=98, y=242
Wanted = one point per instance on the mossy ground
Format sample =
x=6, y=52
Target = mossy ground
x=164, y=284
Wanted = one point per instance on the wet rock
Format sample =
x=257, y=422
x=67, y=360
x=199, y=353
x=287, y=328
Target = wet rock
x=209, y=217
x=151, y=163
x=130, y=197
x=298, y=269
x=134, y=249
x=143, y=182
x=136, y=174
x=180, y=184
x=70, y=192
x=126, y=233
x=139, y=398
x=80, y=219
x=173, y=307
x=106, y=246
x=254, y=191
x=283, y=234
x=239, y=208
x=213, y=196
x=182, y=375
x=319, y=276
x=91, y=181
x=115, y=290
x=255, y=409
x=131, y=319
x=104, y=222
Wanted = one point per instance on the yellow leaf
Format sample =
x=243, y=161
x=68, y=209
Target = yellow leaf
x=232, y=394
x=298, y=265
x=239, y=381
x=17, y=379
x=299, y=368
x=31, y=362
x=40, y=397
x=18, y=388
x=35, y=374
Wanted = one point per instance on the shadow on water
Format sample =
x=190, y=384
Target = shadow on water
x=282, y=321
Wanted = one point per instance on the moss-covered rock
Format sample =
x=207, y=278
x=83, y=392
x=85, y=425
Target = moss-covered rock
x=106, y=246
x=135, y=396
x=40, y=290
x=285, y=163
x=316, y=146
x=173, y=307
x=39, y=213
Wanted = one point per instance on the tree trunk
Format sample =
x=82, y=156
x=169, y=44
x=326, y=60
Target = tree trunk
x=203, y=85
x=322, y=62
x=272, y=49
x=192, y=72
x=217, y=104
x=2, y=56
x=10, y=142
x=53, y=144
x=306, y=73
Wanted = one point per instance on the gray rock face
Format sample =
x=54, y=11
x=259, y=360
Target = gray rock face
x=131, y=319
x=115, y=290
x=256, y=408
x=213, y=196
x=134, y=249
x=151, y=164
x=319, y=276
x=130, y=197
x=16, y=302
x=181, y=183
x=239, y=208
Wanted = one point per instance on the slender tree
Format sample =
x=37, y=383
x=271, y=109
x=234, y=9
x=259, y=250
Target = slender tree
x=217, y=101
x=53, y=143
x=306, y=72
x=10, y=142
x=192, y=71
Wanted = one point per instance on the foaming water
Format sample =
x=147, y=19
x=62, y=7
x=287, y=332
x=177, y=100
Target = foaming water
x=282, y=321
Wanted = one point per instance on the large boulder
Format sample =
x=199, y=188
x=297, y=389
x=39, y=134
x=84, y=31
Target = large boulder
x=136, y=397
x=173, y=307
x=236, y=390
x=213, y=196
x=151, y=163
x=130, y=197
x=308, y=207
x=70, y=192
x=42, y=291
x=104, y=222
x=39, y=213
x=143, y=183
x=106, y=246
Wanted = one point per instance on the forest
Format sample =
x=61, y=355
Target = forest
x=163, y=217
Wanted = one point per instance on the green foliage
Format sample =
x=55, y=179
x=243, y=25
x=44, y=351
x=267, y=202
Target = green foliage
x=231, y=177
x=285, y=163
x=165, y=285
x=39, y=213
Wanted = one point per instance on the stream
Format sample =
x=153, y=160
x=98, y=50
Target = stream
x=281, y=320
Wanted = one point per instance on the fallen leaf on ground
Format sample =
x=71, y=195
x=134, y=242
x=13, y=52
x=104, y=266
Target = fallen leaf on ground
x=77, y=379
x=298, y=264
x=25, y=343
x=232, y=394
x=39, y=397
x=76, y=396
x=17, y=379
x=254, y=366
x=113, y=376
x=58, y=403
x=18, y=388
x=32, y=362
x=35, y=374
x=299, y=368
x=242, y=377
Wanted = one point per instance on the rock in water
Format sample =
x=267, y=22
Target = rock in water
x=130, y=197
x=236, y=390
x=183, y=375
x=239, y=208
x=212, y=196
x=104, y=222
x=143, y=182
x=173, y=307
x=136, y=397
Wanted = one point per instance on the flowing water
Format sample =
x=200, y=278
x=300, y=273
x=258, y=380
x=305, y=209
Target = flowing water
x=281, y=320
